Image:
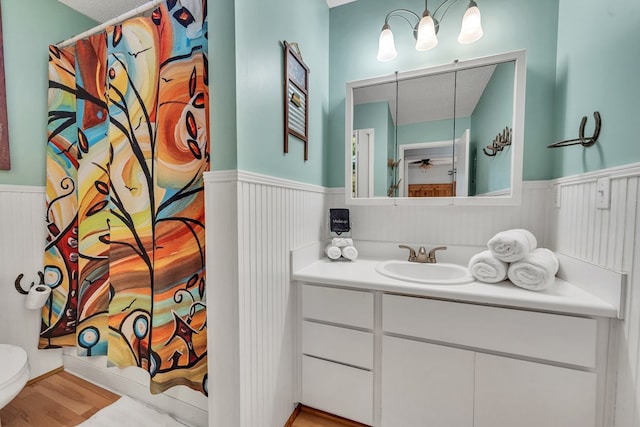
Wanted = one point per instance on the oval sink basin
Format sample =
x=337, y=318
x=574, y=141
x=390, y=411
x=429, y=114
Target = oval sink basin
x=441, y=273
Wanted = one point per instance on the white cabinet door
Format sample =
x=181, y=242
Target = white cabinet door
x=426, y=385
x=511, y=392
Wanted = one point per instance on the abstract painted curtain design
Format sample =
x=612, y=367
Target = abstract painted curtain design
x=128, y=143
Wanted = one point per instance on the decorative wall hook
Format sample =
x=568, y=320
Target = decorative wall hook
x=501, y=140
x=393, y=188
x=585, y=142
x=19, y=287
x=391, y=164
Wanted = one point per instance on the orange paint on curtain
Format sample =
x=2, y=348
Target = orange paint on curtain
x=142, y=275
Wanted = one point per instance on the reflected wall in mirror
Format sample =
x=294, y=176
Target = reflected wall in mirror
x=418, y=137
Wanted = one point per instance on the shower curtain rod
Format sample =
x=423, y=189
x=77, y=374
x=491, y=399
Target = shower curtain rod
x=118, y=19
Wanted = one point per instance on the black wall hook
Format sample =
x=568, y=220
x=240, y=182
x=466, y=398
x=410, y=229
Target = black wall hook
x=499, y=142
x=581, y=139
x=19, y=287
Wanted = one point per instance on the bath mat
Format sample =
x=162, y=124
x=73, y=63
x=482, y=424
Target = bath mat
x=130, y=412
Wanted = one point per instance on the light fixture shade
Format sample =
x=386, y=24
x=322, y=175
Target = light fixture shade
x=386, y=45
x=471, y=30
x=426, y=34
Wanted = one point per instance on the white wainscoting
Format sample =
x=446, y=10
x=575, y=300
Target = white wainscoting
x=563, y=215
x=609, y=238
x=449, y=225
x=222, y=298
x=251, y=300
x=22, y=234
x=272, y=216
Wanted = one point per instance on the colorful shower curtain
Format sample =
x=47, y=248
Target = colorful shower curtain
x=128, y=142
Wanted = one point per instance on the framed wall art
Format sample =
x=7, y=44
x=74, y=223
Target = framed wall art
x=296, y=96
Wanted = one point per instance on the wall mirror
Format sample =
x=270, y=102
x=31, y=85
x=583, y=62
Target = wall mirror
x=450, y=134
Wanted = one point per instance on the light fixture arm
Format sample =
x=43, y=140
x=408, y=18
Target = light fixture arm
x=447, y=3
x=405, y=14
x=426, y=27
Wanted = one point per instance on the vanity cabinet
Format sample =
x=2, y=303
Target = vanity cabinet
x=453, y=380
x=390, y=360
x=337, y=345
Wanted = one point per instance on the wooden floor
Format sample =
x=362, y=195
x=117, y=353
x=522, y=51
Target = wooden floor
x=57, y=400
x=309, y=417
x=64, y=400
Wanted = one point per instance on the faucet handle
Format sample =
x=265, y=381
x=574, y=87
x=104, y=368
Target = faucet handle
x=432, y=253
x=412, y=252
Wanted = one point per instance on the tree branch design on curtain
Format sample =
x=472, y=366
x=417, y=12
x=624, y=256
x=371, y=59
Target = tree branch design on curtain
x=128, y=144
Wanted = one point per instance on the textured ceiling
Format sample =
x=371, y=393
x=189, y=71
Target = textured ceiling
x=334, y=3
x=430, y=98
x=104, y=10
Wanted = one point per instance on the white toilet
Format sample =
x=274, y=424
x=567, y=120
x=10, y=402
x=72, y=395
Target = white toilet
x=14, y=372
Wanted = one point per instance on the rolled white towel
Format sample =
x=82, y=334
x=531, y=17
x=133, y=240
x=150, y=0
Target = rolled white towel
x=350, y=252
x=536, y=271
x=341, y=242
x=485, y=267
x=512, y=245
x=333, y=252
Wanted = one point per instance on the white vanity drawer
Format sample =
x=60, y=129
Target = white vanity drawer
x=343, y=306
x=338, y=389
x=338, y=344
x=566, y=339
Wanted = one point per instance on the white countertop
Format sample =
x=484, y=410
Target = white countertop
x=563, y=297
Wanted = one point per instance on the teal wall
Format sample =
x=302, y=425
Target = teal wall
x=595, y=51
x=28, y=27
x=260, y=28
x=375, y=115
x=508, y=25
x=493, y=113
x=597, y=68
x=435, y=131
x=222, y=91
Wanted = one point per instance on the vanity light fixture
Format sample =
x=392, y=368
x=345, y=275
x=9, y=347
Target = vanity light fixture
x=427, y=26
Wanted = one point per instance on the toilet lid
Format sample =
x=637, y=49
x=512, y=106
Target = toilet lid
x=13, y=360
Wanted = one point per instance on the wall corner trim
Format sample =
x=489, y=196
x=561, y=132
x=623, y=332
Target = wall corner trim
x=220, y=176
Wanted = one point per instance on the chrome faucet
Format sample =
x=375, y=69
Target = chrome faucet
x=422, y=255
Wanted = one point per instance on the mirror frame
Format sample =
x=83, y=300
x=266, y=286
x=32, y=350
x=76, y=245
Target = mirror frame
x=517, y=144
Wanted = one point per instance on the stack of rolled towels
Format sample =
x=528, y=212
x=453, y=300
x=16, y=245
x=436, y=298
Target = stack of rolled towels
x=341, y=248
x=514, y=254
